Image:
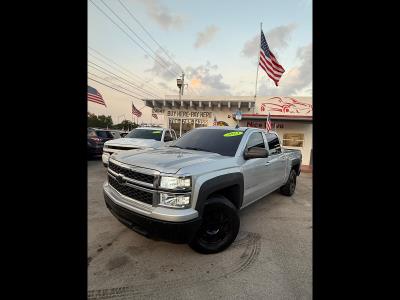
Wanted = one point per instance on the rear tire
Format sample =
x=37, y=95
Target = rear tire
x=290, y=185
x=219, y=228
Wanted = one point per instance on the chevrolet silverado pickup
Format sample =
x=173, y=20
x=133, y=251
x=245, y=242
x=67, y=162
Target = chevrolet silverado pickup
x=192, y=190
x=139, y=138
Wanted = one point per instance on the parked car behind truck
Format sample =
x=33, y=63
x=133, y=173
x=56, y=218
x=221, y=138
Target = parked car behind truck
x=96, y=139
x=192, y=190
x=139, y=138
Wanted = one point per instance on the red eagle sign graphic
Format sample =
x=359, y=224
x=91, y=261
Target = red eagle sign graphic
x=286, y=105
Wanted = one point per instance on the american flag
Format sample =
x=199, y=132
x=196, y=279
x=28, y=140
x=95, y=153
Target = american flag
x=268, y=61
x=94, y=96
x=268, y=124
x=155, y=116
x=135, y=111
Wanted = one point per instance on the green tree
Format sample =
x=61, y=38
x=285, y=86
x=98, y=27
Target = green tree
x=125, y=124
x=101, y=121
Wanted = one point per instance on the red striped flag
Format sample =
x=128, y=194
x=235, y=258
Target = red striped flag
x=268, y=62
x=94, y=96
x=135, y=111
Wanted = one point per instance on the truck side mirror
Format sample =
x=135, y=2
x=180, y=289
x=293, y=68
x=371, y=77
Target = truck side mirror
x=255, y=152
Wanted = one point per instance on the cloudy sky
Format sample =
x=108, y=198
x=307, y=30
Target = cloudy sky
x=214, y=42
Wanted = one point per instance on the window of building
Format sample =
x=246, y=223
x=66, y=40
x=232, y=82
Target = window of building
x=273, y=143
x=293, y=139
x=255, y=140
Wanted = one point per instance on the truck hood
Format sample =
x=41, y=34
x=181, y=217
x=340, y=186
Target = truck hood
x=166, y=159
x=134, y=142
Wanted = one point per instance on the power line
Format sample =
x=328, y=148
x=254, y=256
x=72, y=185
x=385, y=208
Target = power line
x=131, y=37
x=116, y=85
x=107, y=72
x=114, y=88
x=131, y=30
x=142, y=81
x=148, y=33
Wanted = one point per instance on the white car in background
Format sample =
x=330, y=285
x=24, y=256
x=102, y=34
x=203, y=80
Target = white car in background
x=139, y=138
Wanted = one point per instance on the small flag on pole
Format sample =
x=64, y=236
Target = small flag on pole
x=268, y=61
x=155, y=116
x=268, y=124
x=135, y=111
x=94, y=96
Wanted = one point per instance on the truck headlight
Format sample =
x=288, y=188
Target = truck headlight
x=174, y=200
x=175, y=183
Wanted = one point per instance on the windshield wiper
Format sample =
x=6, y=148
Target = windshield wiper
x=175, y=146
x=198, y=149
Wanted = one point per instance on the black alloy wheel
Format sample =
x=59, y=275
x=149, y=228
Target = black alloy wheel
x=219, y=228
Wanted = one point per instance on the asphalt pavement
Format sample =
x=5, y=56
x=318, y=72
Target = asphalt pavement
x=271, y=257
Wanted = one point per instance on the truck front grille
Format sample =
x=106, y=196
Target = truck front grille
x=131, y=192
x=131, y=174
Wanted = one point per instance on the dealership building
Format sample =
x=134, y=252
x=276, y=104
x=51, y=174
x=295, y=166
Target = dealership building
x=291, y=116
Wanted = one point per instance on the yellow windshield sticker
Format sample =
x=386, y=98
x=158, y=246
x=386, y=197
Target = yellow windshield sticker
x=233, y=133
x=156, y=131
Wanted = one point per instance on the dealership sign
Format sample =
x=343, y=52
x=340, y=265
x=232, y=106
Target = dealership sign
x=189, y=114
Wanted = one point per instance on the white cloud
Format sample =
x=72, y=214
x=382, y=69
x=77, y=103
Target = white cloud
x=164, y=68
x=202, y=78
x=206, y=36
x=162, y=15
x=277, y=39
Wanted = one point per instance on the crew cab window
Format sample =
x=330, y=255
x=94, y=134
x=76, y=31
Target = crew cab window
x=167, y=136
x=255, y=140
x=273, y=143
x=149, y=134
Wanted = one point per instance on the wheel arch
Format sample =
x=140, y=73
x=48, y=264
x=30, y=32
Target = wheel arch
x=231, y=186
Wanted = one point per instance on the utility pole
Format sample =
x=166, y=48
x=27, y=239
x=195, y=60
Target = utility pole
x=180, y=82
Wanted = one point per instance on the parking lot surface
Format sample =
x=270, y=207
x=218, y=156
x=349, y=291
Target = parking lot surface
x=271, y=257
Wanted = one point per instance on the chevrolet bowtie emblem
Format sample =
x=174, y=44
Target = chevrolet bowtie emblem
x=120, y=179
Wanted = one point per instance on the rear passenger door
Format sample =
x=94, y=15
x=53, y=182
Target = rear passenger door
x=257, y=178
x=276, y=161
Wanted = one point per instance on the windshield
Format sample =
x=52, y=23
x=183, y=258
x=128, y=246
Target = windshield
x=148, y=134
x=224, y=142
x=104, y=134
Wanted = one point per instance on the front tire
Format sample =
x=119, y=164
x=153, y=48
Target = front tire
x=290, y=185
x=219, y=228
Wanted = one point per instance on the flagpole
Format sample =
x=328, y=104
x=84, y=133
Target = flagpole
x=258, y=64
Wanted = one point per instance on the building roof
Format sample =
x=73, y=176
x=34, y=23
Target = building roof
x=201, y=102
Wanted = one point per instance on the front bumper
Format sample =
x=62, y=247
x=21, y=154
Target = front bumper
x=179, y=232
x=105, y=156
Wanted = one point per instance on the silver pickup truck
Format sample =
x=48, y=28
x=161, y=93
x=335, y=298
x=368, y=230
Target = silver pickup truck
x=192, y=190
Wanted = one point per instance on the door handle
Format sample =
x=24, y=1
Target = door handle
x=267, y=163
